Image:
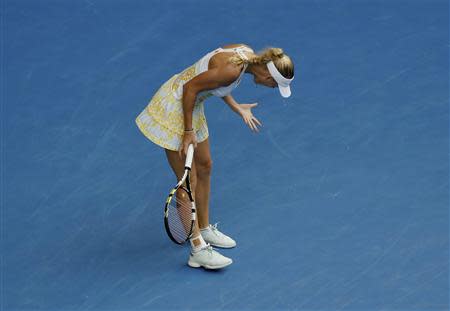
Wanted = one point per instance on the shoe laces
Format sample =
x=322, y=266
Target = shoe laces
x=214, y=228
x=209, y=248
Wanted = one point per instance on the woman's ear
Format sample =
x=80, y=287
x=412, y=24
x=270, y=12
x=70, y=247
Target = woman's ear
x=267, y=75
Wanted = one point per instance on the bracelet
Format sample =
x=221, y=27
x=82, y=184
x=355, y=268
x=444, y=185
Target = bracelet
x=190, y=130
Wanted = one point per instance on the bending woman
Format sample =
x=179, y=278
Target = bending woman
x=174, y=118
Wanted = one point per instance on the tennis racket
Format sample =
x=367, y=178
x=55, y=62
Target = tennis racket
x=179, y=211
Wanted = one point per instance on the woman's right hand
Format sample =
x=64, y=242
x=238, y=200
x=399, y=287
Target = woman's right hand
x=188, y=138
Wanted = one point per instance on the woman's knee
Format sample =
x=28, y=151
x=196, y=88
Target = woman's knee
x=204, y=167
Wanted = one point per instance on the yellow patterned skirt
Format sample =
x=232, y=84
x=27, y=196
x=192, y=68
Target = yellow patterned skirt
x=162, y=120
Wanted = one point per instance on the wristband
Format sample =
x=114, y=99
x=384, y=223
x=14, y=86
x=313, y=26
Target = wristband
x=190, y=130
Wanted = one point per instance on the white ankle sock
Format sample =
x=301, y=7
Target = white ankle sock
x=206, y=229
x=200, y=246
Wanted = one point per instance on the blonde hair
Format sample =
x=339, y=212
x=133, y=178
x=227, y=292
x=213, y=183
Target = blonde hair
x=283, y=62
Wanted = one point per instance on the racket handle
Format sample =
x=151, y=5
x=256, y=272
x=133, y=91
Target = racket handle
x=189, y=156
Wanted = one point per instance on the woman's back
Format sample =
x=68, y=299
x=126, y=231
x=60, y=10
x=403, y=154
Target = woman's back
x=213, y=59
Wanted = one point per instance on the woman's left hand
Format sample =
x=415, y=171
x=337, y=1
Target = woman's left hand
x=249, y=119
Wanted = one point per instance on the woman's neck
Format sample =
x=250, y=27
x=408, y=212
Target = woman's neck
x=250, y=69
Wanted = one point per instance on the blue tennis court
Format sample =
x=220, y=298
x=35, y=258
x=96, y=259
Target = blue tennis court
x=341, y=202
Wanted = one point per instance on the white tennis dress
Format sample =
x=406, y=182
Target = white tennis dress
x=162, y=120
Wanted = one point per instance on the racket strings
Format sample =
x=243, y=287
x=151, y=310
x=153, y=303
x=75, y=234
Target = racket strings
x=180, y=216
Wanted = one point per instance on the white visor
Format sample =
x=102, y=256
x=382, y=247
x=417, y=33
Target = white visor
x=283, y=83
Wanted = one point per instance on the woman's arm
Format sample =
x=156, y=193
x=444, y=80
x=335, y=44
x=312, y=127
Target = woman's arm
x=244, y=111
x=208, y=80
x=229, y=100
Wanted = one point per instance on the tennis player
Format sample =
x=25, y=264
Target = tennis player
x=175, y=118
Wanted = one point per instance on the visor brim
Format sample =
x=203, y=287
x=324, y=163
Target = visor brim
x=285, y=91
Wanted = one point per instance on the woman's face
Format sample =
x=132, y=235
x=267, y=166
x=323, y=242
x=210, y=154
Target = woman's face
x=263, y=77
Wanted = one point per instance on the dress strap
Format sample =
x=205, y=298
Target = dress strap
x=241, y=54
x=239, y=50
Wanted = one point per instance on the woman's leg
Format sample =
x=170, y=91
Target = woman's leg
x=203, y=164
x=201, y=255
x=200, y=180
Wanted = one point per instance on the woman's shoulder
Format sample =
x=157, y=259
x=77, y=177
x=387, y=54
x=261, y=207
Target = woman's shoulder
x=221, y=60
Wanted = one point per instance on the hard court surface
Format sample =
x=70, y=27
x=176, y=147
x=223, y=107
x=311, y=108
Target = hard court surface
x=341, y=202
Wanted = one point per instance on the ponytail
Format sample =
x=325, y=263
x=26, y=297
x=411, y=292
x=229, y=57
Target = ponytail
x=276, y=55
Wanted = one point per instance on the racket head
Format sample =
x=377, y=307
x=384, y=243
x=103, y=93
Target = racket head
x=179, y=214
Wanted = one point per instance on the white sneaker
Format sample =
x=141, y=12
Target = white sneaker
x=208, y=258
x=213, y=236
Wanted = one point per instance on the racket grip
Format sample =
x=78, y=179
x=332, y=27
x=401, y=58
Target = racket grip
x=189, y=156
